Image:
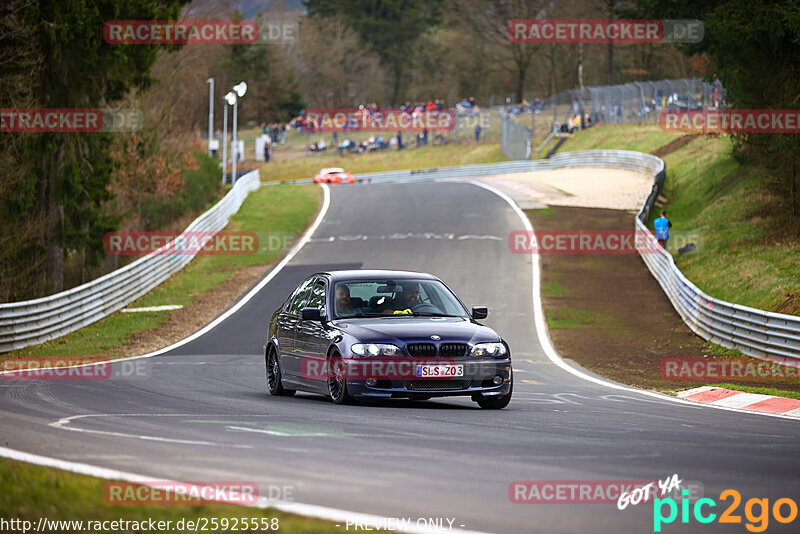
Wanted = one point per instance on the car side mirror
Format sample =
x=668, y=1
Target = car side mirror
x=480, y=312
x=311, y=314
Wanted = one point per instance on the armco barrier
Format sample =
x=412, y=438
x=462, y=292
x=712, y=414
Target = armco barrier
x=754, y=332
x=36, y=321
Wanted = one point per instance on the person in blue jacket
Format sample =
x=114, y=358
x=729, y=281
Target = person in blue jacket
x=662, y=226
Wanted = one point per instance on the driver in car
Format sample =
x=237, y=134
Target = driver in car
x=406, y=300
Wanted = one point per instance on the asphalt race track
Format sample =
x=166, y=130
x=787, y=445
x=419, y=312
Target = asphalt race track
x=203, y=412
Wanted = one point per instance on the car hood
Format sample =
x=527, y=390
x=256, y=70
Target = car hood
x=401, y=330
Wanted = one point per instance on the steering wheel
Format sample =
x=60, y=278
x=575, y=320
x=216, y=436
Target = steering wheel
x=424, y=307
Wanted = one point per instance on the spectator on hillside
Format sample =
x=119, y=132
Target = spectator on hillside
x=717, y=89
x=661, y=227
x=347, y=145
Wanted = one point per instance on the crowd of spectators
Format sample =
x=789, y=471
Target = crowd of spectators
x=367, y=114
x=537, y=106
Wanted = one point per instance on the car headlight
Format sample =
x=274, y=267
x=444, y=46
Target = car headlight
x=488, y=349
x=375, y=349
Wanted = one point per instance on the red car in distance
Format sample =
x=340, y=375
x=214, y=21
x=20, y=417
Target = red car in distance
x=333, y=175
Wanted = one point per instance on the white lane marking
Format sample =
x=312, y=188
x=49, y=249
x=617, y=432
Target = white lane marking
x=544, y=337
x=326, y=202
x=273, y=432
x=308, y=510
x=65, y=424
x=793, y=413
x=166, y=307
x=424, y=235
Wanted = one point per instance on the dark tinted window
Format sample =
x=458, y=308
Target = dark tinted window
x=299, y=298
x=317, y=297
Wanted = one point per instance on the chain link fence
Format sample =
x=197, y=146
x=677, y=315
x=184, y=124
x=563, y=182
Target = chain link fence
x=515, y=139
x=575, y=109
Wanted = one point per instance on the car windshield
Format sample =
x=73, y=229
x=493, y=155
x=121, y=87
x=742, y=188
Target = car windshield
x=395, y=298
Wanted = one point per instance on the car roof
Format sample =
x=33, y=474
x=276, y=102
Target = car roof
x=333, y=169
x=377, y=274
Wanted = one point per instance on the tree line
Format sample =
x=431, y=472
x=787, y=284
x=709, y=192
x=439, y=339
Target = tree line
x=61, y=192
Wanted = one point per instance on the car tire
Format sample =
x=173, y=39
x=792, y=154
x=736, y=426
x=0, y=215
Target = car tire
x=337, y=383
x=274, y=378
x=495, y=403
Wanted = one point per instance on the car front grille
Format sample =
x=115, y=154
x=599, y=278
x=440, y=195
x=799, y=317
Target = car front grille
x=431, y=385
x=421, y=350
x=453, y=350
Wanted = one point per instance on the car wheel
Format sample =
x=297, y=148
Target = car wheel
x=337, y=383
x=274, y=383
x=495, y=403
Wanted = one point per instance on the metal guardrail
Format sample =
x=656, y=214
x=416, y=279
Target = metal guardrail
x=754, y=332
x=36, y=321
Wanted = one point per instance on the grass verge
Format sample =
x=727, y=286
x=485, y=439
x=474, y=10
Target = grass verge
x=745, y=252
x=460, y=153
x=279, y=214
x=31, y=492
x=608, y=313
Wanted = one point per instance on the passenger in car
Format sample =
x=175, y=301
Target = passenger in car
x=344, y=304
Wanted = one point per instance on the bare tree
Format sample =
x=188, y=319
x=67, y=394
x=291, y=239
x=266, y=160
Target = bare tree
x=489, y=20
x=334, y=67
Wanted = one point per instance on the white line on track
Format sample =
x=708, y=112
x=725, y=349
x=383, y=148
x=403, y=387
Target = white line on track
x=326, y=202
x=66, y=424
x=544, y=337
x=323, y=512
x=309, y=510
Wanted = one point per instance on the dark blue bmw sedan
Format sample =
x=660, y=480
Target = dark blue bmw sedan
x=365, y=335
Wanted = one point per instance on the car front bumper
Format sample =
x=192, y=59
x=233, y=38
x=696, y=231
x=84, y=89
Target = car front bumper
x=478, y=379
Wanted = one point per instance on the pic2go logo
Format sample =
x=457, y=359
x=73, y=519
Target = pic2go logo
x=757, y=521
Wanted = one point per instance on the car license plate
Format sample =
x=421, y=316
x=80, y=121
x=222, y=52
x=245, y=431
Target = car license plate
x=439, y=371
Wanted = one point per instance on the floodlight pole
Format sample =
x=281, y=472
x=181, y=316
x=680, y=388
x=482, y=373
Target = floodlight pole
x=224, y=142
x=234, y=147
x=210, y=81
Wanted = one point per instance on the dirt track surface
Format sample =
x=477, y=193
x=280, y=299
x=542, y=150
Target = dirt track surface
x=583, y=187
